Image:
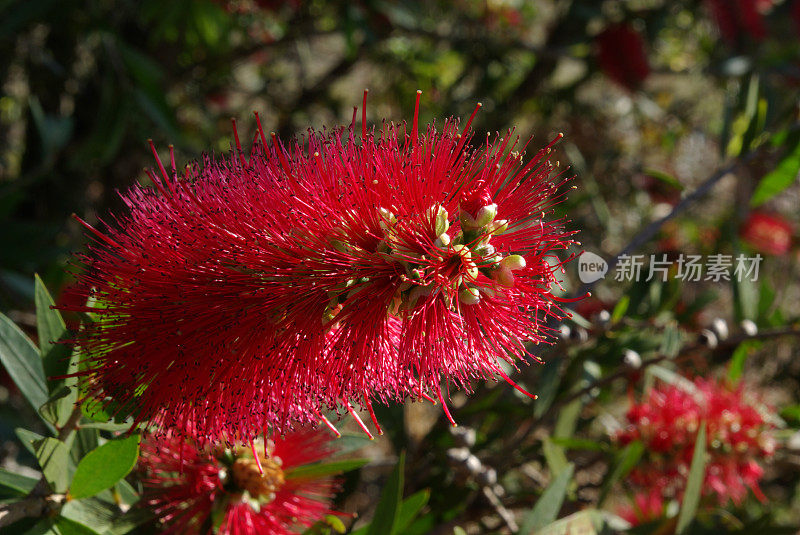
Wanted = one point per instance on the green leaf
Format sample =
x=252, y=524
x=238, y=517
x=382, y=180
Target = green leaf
x=549, y=504
x=581, y=444
x=95, y=410
x=554, y=456
x=458, y=530
x=23, y=363
x=739, y=357
x=779, y=178
x=53, y=456
x=586, y=522
x=55, y=410
x=409, y=509
x=324, y=469
x=626, y=460
x=386, y=512
x=130, y=520
x=51, y=329
x=65, y=526
x=90, y=512
x=666, y=178
x=108, y=426
x=790, y=413
x=15, y=484
x=104, y=466
x=694, y=483
x=620, y=309
x=28, y=439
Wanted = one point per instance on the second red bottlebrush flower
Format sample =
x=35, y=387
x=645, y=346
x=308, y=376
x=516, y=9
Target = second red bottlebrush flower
x=667, y=422
x=235, y=491
x=253, y=292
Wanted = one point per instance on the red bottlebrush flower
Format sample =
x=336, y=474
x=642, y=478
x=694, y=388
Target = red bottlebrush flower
x=647, y=506
x=621, y=55
x=254, y=292
x=767, y=233
x=191, y=489
x=667, y=423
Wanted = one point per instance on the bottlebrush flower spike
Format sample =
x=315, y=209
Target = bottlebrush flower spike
x=257, y=291
x=667, y=422
x=240, y=491
x=621, y=55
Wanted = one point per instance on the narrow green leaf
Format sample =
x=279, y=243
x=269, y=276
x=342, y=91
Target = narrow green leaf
x=28, y=439
x=108, y=426
x=55, y=410
x=626, y=460
x=95, y=410
x=620, y=309
x=388, y=507
x=43, y=527
x=664, y=177
x=580, y=444
x=549, y=504
x=409, y=509
x=53, y=456
x=66, y=526
x=23, y=363
x=694, y=483
x=586, y=522
x=325, y=469
x=554, y=456
x=91, y=512
x=104, y=466
x=739, y=357
x=51, y=328
x=778, y=179
x=15, y=484
x=129, y=521
x=671, y=342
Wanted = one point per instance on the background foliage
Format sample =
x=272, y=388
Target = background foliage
x=672, y=158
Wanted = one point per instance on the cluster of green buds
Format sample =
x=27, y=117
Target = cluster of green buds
x=452, y=268
x=455, y=266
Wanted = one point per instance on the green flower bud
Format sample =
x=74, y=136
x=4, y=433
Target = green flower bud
x=513, y=262
x=496, y=228
x=469, y=296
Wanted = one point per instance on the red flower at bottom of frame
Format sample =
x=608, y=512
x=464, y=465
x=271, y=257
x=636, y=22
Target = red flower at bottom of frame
x=667, y=422
x=238, y=491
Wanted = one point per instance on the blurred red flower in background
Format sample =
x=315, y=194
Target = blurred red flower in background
x=621, y=55
x=737, y=17
x=767, y=233
x=667, y=422
x=252, y=293
x=191, y=489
